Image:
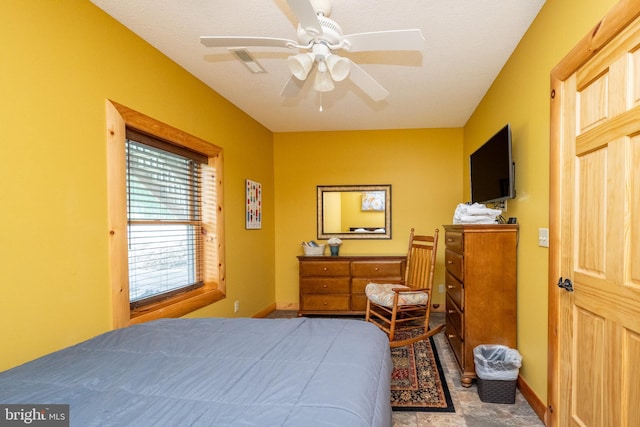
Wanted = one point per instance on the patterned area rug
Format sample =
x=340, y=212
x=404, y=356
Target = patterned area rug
x=417, y=380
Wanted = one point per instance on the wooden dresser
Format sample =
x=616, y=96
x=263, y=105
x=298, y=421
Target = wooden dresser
x=335, y=285
x=480, y=279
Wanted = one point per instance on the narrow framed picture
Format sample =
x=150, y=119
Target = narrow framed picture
x=254, y=205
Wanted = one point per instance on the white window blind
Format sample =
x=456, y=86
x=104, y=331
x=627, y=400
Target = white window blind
x=164, y=213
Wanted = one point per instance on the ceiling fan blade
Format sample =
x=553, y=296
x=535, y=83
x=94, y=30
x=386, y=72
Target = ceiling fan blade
x=307, y=18
x=292, y=87
x=226, y=41
x=384, y=40
x=367, y=83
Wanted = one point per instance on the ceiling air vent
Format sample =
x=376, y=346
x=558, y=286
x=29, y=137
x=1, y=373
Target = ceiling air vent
x=245, y=57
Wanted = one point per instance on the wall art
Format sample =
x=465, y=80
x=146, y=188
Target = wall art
x=254, y=205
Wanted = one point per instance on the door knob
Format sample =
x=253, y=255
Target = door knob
x=565, y=284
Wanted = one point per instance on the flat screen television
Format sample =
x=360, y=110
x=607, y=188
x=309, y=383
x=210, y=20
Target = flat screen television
x=492, y=169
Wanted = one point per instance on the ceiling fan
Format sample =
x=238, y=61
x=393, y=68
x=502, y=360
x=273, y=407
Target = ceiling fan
x=318, y=38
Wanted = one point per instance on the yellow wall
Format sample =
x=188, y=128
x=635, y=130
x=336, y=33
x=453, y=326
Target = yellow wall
x=422, y=165
x=60, y=61
x=520, y=95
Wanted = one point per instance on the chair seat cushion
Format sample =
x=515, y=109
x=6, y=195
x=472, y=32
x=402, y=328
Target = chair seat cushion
x=382, y=294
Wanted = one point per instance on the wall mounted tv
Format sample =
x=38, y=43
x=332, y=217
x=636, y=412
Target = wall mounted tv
x=492, y=169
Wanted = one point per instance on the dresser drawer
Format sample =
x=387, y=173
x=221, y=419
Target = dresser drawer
x=325, y=302
x=324, y=285
x=376, y=269
x=453, y=263
x=454, y=317
x=455, y=290
x=322, y=268
x=454, y=241
x=358, y=284
x=455, y=342
x=359, y=302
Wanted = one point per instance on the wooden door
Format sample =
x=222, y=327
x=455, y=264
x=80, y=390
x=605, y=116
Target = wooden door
x=595, y=218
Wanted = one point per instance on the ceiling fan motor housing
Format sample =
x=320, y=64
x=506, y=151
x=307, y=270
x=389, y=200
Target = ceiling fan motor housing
x=331, y=32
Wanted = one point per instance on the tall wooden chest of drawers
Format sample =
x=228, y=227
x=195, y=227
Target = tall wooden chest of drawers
x=480, y=279
x=335, y=285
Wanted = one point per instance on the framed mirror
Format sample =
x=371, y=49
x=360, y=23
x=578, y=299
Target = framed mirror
x=354, y=211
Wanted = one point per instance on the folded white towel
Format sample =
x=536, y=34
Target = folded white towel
x=476, y=213
x=482, y=210
x=477, y=219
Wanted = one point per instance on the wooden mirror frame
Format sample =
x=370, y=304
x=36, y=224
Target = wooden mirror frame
x=354, y=235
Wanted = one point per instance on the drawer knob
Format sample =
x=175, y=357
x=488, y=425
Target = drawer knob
x=325, y=286
x=324, y=268
x=449, y=286
x=450, y=311
x=377, y=269
x=449, y=239
x=324, y=303
x=451, y=336
x=449, y=261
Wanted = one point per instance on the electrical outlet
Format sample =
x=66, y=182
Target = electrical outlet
x=236, y=306
x=543, y=237
x=441, y=289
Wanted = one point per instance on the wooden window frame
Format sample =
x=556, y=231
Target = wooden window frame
x=119, y=118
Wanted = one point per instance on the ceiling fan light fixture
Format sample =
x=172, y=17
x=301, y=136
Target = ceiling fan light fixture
x=338, y=67
x=301, y=64
x=323, y=82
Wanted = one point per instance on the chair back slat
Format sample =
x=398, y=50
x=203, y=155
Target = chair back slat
x=421, y=261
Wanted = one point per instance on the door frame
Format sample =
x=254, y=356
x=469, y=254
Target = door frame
x=622, y=13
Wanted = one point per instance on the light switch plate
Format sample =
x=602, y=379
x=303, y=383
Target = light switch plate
x=543, y=237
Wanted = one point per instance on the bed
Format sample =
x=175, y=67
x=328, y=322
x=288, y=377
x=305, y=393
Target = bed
x=216, y=371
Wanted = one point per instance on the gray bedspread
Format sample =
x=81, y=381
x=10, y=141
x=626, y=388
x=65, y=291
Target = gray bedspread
x=223, y=372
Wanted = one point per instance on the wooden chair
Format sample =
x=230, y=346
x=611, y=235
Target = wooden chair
x=407, y=306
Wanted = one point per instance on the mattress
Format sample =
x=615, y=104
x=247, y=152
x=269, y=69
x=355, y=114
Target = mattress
x=216, y=372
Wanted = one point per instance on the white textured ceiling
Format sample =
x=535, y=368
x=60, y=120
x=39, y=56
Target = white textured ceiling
x=467, y=44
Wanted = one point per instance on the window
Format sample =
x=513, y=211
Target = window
x=164, y=216
x=165, y=219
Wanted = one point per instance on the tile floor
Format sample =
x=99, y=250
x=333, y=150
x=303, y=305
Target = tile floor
x=470, y=410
